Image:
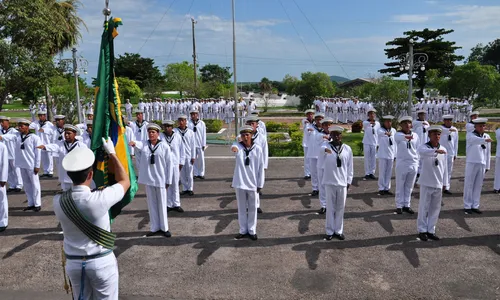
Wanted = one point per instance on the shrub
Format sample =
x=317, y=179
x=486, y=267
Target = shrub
x=357, y=126
x=293, y=128
x=276, y=126
x=213, y=126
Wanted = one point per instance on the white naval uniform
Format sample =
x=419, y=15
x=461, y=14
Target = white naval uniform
x=27, y=160
x=496, y=183
x=4, y=174
x=101, y=274
x=406, y=167
x=336, y=179
x=46, y=137
x=321, y=172
x=200, y=137
x=141, y=134
x=477, y=158
x=178, y=160
x=385, y=154
x=155, y=177
x=432, y=179
x=449, y=140
x=62, y=149
x=188, y=143
x=312, y=155
x=469, y=127
x=420, y=127
x=14, y=179
x=370, y=146
x=246, y=180
x=305, y=125
x=130, y=135
x=128, y=110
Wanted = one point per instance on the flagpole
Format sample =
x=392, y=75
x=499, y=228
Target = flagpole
x=234, y=76
x=106, y=11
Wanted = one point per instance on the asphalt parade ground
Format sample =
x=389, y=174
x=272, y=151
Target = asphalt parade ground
x=381, y=257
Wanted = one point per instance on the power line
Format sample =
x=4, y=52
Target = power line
x=308, y=21
x=180, y=30
x=158, y=24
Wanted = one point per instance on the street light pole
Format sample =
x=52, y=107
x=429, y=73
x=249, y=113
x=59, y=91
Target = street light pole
x=73, y=65
x=75, y=73
x=194, y=53
x=410, y=62
x=410, y=78
x=234, y=75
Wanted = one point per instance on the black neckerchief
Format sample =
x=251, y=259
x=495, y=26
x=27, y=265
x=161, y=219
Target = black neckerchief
x=24, y=139
x=338, y=152
x=449, y=134
x=5, y=131
x=373, y=126
x=481, y=136
x=316, y=127
x=388, y=130
x=408, y=145
x=169, y=138
x=139, y=125
x=255, y=135
x=247, y=152
x=183, y=131
x=60, y=131
x=194, y=125
x=69, y=147
x=423, y=128
x=42, y=123
x=152, y=159
x=436, y=162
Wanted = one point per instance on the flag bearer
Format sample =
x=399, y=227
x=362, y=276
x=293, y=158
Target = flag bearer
x=337, y=179
x=4, y=173
x=248, y=180
x=200, y=136
x=174, y=140
x=155, y=172
x=14, y=179
x=386, y=154
x=449, y=140
x=370, y=128
x=432, y=179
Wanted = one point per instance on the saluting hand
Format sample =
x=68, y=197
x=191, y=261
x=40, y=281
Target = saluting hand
x=440, y=151
x=41, y=147
x=2, y=183
x=131, y=144
x=40, y=130
x=35, y=170
x=488, y=140
x=234, y=149
x=329, y=151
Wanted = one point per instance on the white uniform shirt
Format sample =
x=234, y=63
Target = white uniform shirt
x=11, y=145
x=48, y=131
x=188, y=142
x=497, y=134
x=449, y=140
x=177, y=147
x=434, y=172
x=59, y=136
x=371, y=131
x=312, y=142
x=385, y=149
x=469, y=127
x=140, y=130
x=420, y=127
x=200, y=134
x=333, y=174
x=129, y=134
x=94, y=206
x=62, y=149
x=477, y=149
x=248, y=177
x=407, y=150
x=305, y=125
x=261, y=141
x=4, y=163
x=128, y=106
x=161, y=172
x=29, y=157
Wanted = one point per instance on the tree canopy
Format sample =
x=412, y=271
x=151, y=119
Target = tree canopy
x=310, y=86
x=487, y=55
x=128, y=89
x=142, y=70
x=215, y=73
x=180, y=77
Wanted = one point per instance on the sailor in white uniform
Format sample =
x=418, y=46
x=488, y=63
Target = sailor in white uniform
x=337, y=178
x=45, y=130
x=420, y=127
x=91, y=264
x=386, y=154
x=15, y=180
x=477, y=158
x=188, y=142
x=320, y=141
x=449, y=140
x=28, y=161
x=248, y=180
x=407, y=143
x=432, y=179
x=4, y=174
x=174, y=140
x=87, y=135
x=139, y=127
x=370, y=128
x=128, y=109
x=259, y=139
x=496, y=183
x=156, y=173
x=469, y=127
x=312, y=151
x=306, y=125
x=200, y=136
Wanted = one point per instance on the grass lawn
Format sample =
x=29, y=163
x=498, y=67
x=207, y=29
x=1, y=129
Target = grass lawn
x=16, y=105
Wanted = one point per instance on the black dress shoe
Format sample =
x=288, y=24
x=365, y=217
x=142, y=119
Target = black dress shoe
x=253, y=237
x=307, y=177
x=17, y=190
x=371, y=176
x=183, y=192
x=178, y=209
x=50, y=175
x=29, y=208
x=432, y=236
x=10, y=190
x=167, y=234
x=37, y=208
x=239, y=236
x=366, y=177
x=476, y=211
x=2, y=229
x=322, y=211
x=43, y=175
x=389, y=193
x=447, y=192
x=190, y=193
x=468, y=211
x=201, y=177
x=328, y=237
x=169, y=209
x=418, y=175
x=315, y=193
x=423, y=236
x=259, y=210
x=399, y=211
x=408, y=210
x=339, y=236
x=381, y=193
x=494, y=191
x=149, y=234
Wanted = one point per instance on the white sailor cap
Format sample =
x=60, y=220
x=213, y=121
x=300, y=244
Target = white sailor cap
x=89, y=122
x=182, y=117
x=193, y=111
x=371, y=110
x=154, y=127
x=90, y=112
x=250, y=119
x=327, y=120
x=319, y=115
x=59, y=117
x=448, y=117
x=139, y=111
x=405, y=118
x=79, y=159
x=4, y=118
x=480, y=121
x=336, y=128
x=42, y=112
x=23, y=121
x=309, y=111
x=168, y=122
x=472, y=113
x=72, y=128
x=246, y=129
x=421, y=111
x=435, y=128
x=388, y=117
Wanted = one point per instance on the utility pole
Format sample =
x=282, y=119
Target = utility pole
x=194, y=53
x=235, y=85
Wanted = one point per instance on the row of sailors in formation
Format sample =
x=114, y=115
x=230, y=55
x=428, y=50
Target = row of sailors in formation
x=25, y=152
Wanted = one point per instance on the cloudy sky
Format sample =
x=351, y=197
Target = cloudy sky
x=279, y=37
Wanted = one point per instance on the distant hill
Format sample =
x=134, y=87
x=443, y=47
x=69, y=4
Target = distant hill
x=339, y=79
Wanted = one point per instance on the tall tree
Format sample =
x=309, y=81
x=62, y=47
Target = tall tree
x=142, y=70
x=311, y=86
x=265, y=85
x=128, y=89
x=487, y=55
x=441, y=54
x=215, y=73
x=389, y=96
x=180, y=77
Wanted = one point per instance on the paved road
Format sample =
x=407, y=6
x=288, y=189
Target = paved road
x=380, y=258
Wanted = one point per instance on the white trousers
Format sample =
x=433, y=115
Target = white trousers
x=405, y=180
x=101, y=277
x=32, y=187
x=157, y=207
x=370, y=152
x=47, y=163
x=129, y=115
x=247, y=210
x=473, y=183
x=14, y=178
x=4, y=207
x=322, y=191
x=496, y=183
x=173, y=196
x=450, y=170
x=429, y=207
x=307, y=171
x=335, y=205
x=314, y=173
x=384, y=173
x=187, y=176
x=199, y=163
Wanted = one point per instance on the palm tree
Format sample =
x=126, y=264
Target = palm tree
x=265, y=85
x=67, y=32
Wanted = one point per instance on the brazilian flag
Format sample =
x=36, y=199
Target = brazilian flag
x=108, y=120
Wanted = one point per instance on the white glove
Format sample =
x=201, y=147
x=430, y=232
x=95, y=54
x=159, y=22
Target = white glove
x=108, y=146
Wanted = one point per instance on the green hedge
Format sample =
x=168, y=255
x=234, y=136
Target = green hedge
x=213, y=126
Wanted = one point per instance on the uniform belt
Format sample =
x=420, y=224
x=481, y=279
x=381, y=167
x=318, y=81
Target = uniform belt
x=88, y=257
